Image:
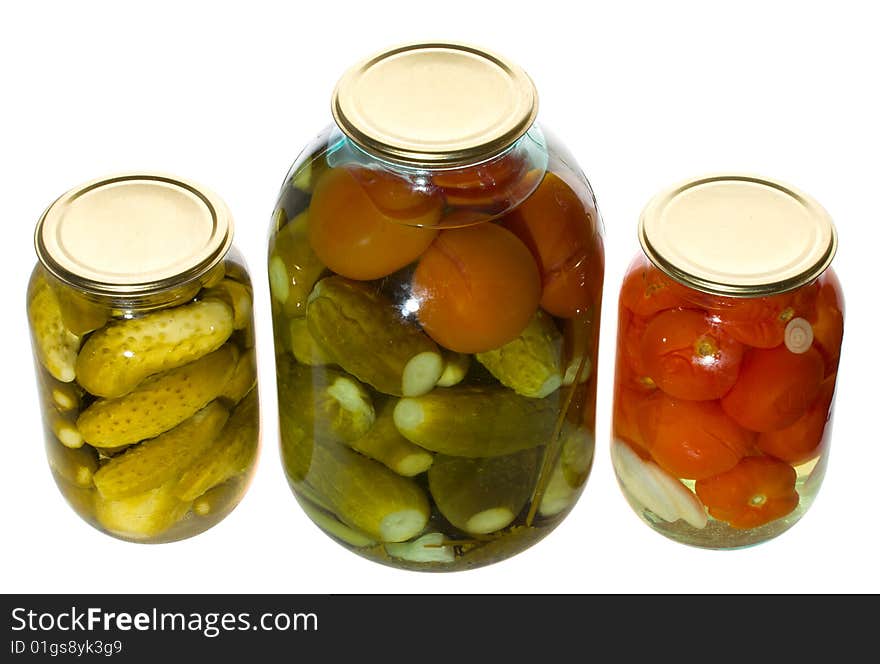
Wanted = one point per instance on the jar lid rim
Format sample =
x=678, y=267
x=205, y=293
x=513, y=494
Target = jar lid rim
x=435, y=104
x=737, y=235
x=133, y=234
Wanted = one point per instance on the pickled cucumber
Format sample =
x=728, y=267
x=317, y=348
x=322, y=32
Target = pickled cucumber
x=76, y=465
x=161, y=460
x=366, y=495
x=143, y=515
x=330, y=524
x=116, y=358
x=476, y=421
x=303, y=345
x=159, y=403
x=56, y=346
x=429, y=548
x=481, y=496
x=231, y=454
x=530, y=364
x=64, y=428
x=309, y=172
x=237, y=296
x=212, y=501
x=80, y=314
x=243, y=379
x=569, y=472
x=364, y=333
x=324, y=403
x=63, y=396
x=455, y=368
x=293, y=266
x=384, y=443
x=297, y=442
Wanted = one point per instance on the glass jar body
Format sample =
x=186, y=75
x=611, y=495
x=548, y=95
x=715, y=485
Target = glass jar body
x=435, y=336
x=149, y=403
x=722, y=406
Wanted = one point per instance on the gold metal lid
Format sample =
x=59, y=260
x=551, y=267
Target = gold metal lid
x=133, y=234
x=738, y=235
x=438, y=105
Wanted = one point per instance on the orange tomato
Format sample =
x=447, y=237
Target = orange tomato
x=760, y=322
x=775, y=387
x=485, y=184
x=802, y=440
x=827, y=322
x=366, y=223
x=625, y=420
x=691, y=439
x=756, y=491
x=476, y=287
x=560, y=230
x=646, y=290
x=630, y=331
x=688, y=356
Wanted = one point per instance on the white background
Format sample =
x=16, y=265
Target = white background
x=644, y=94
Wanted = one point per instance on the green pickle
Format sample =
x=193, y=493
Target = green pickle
x=303, y=345
x=482, y=496
x=143, y=515
x=243, y=379
x=476, y=421
x=151, y=411
x=293, y=266
x=75, y=465
x=160, y=460
x=365, y=335
x=366, y=495
x=329, y=523
x=232, y=453
x=236, y=296
x=116, y=358
x=384, y=443
x=55, y=345
x=408, y=452
x=530, y=364
x=159, y=403
x=569, y=472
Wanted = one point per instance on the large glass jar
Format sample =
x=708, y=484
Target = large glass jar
x=141, y=319
x=436, y=268
x=729, y=336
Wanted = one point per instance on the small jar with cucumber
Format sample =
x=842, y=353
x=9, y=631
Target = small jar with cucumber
x=141, y=320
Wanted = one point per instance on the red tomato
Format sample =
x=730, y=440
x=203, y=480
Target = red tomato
x=477, y=288
x=802, y=440
x=775, y=387
x=646, y=290
x=366, y=223
x=629, y=333
x=688, y=356
x=827, y=322
x=560, y=229
x=491, y=182
x=691, y=439
x=756, y=491
x=760, y=322
x=625, y=422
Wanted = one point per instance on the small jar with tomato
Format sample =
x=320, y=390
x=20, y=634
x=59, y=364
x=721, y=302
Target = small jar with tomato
x=436, y=266
x=729, y=336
